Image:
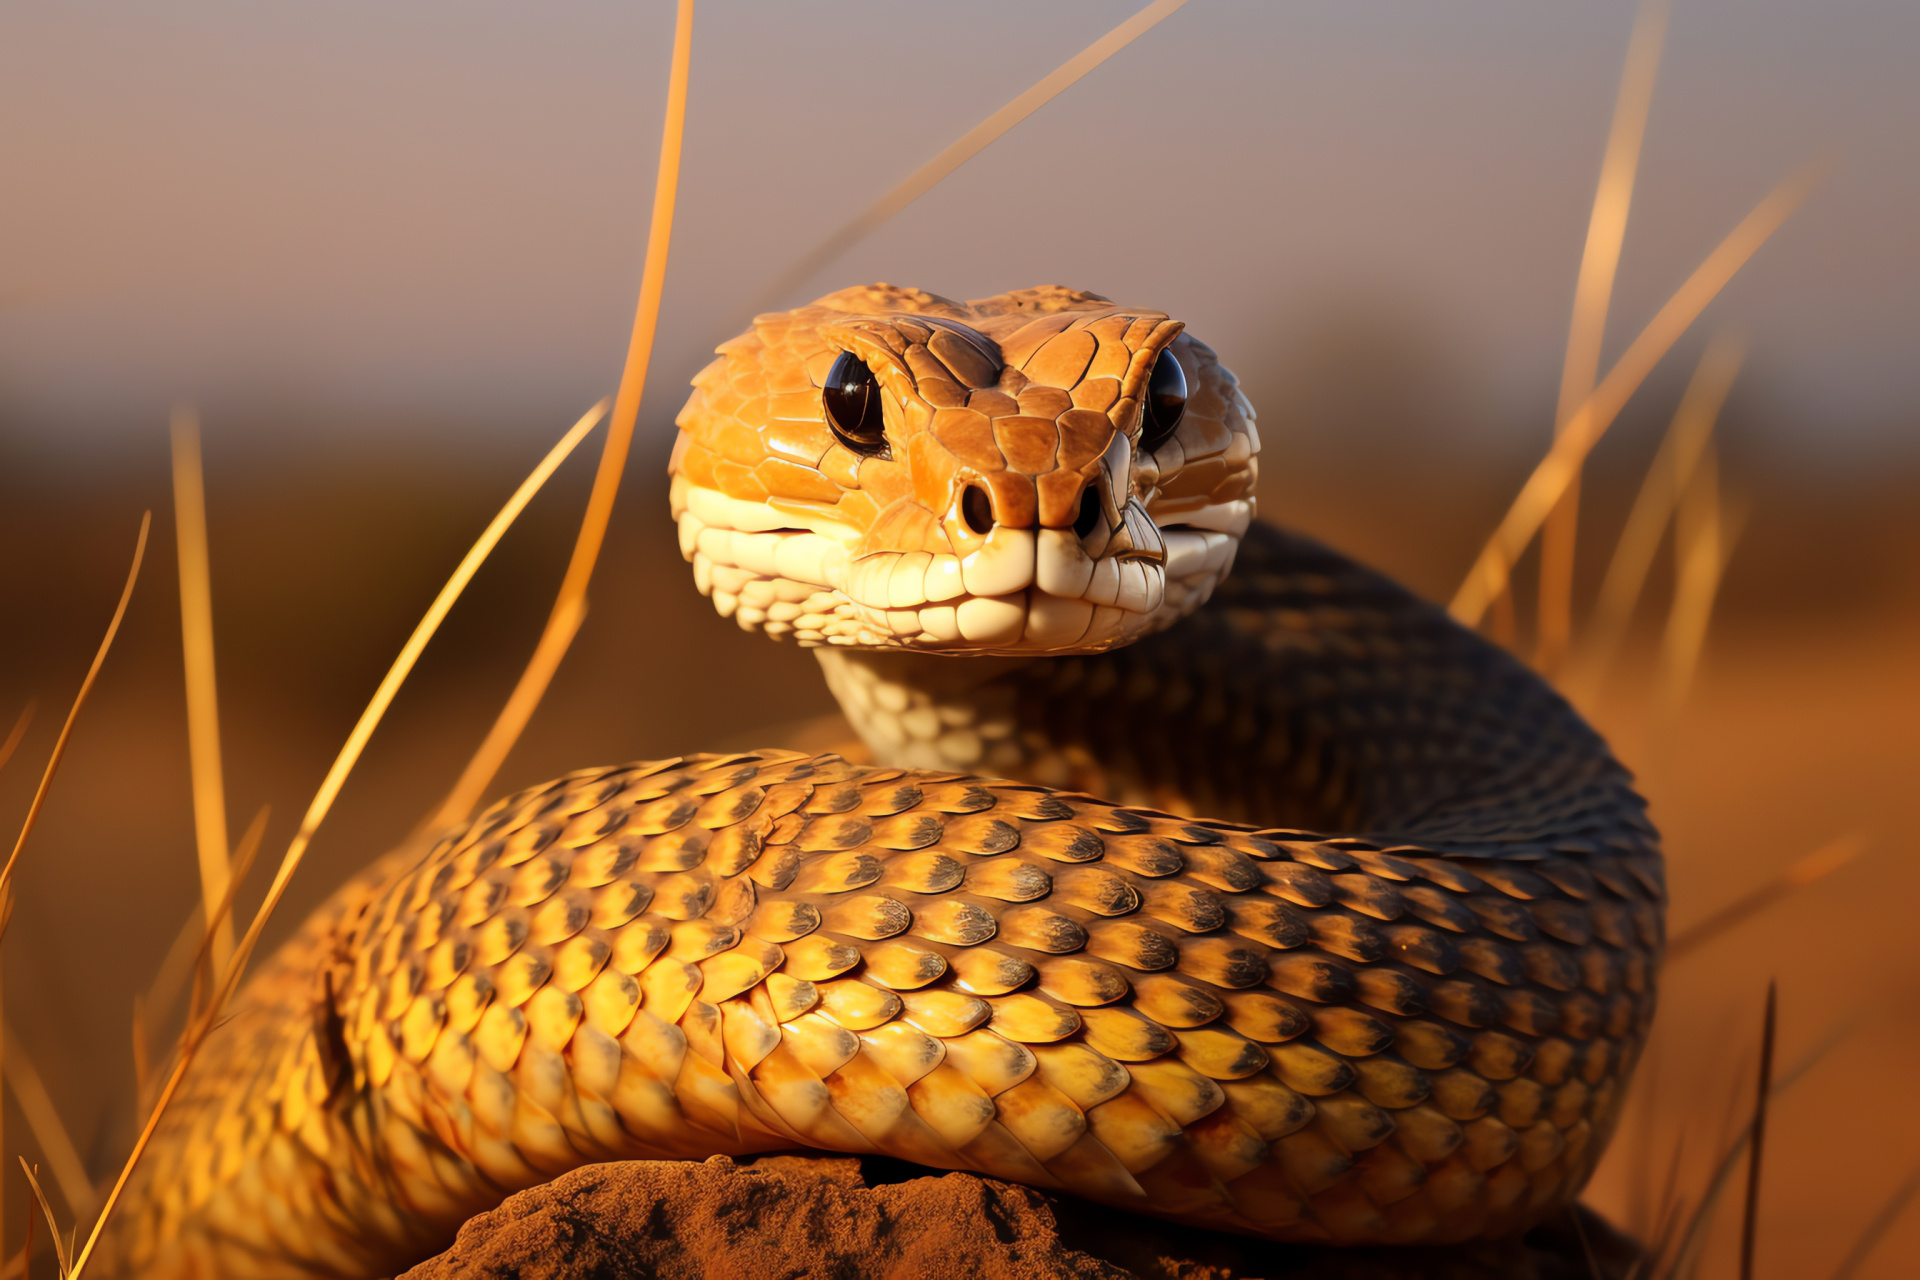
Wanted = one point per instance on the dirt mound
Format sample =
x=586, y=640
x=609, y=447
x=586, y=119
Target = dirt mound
x=790, y=1216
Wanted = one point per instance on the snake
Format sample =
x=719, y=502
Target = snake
x=1187, y=866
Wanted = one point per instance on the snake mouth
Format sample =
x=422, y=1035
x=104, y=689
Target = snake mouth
x=1021, y=591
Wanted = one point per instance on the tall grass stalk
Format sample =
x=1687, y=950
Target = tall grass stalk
x=964, y=148
x=1878, y=1226
x=7, y=748
x=1693, y=1234
x=62, y=1248
x=1668, y=476
x=1706, y=530
x=1592, y=295
x=330, y=789
x=59, y=752
x=43, y=1118
x=1757, y=1143
x=73, y=713
x=203, y=703
x=570, y=606
x=1492, y=569
x=1813, y=868
x=19, y=731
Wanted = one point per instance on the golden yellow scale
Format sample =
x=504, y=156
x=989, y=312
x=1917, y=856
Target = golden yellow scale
x=1360, y=947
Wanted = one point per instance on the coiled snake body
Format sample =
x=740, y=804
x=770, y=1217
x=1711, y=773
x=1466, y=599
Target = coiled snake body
x=1360, y=947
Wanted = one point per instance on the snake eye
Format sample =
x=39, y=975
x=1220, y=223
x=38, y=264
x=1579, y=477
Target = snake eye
x=852, y=400
x=1166, y=402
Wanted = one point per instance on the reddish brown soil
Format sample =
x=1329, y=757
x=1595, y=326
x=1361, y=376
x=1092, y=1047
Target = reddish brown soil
x=791, y=1216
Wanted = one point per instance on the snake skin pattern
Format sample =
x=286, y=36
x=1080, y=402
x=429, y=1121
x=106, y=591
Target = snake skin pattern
x=1360, y=948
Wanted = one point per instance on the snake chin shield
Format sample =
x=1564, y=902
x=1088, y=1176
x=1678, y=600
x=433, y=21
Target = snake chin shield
x=1222, y=879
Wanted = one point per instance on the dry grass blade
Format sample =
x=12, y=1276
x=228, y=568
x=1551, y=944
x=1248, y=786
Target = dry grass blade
x=1667, y=478
x=17, y=1265
x=1694, y=1233
x=330, y=789
x=1665, y=1237
x=7, y=748
x=26, y=1250
x=963, y=149
x=1635, y=1138
x=1732, y=1133
x=18, y=732
x=1705, y=533
x=1671, y=1204
x=1878, y=1226
x=223, y=910
x=79, y=700
x=570, y=606
x=1750, y=1216
x=1488, y=577
x=183, y=956
x=59, y=1242
x=196, y=644
x=1816, y=1053
x=1592, y=296
x=513, y=718
x=1816, y=866
x=56, y=1144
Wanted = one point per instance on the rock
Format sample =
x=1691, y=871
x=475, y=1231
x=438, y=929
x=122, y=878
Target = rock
x=792, y=1216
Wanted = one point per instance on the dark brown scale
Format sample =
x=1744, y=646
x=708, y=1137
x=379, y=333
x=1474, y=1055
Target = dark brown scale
x=1132, y=943
x=1095, y=890
x=1081, y=981
x=1176, y=1002
x=1311, y=977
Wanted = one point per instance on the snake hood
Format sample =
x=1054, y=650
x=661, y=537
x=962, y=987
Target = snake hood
x=1043, y=471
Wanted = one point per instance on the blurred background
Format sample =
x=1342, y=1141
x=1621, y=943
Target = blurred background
x=390, y=253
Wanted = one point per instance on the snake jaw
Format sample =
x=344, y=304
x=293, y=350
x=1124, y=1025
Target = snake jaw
x=1020, y=591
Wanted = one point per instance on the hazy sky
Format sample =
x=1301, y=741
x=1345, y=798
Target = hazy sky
x=375, y=211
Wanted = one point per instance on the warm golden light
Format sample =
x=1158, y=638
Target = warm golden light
x=570, y=608
x=330, y=786
x=1557, y=470
x=1667, y=478
x=1599, y=263
x=376, y=250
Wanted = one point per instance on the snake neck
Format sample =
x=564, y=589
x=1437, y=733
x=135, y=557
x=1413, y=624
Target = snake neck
x=922, y=711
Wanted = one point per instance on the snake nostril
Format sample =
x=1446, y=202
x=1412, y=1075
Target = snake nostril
x=976, y=508
x=1089, y=518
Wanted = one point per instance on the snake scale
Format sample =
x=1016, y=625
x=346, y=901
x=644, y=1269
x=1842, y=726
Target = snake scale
x=1359, y=946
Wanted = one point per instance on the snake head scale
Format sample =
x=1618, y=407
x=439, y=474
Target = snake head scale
x=1037, y=472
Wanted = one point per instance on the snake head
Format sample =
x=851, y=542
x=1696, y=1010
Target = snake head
x=1037, y=472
